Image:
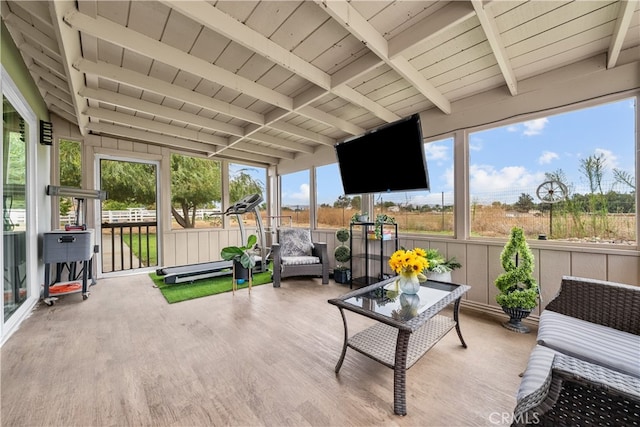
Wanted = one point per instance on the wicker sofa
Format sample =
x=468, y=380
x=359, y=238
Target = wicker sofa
x=585, y=368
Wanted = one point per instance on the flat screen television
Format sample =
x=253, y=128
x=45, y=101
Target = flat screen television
x=388, y=158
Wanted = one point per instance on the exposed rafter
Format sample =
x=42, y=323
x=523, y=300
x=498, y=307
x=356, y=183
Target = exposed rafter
x=70, y=50
x=490, y=29
x=143, y=45
x=357, y=25
x=450, y=15
x=625, y=14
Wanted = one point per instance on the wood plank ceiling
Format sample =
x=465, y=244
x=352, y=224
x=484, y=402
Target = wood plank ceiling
x=262, y=81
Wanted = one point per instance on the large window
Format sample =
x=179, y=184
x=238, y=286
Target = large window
x=567, y=177
x=196, y=192
x=244, y=181
x=15, y=137
x=424, y=212
x=334, y=208
x=70, y=176
x=295, y=199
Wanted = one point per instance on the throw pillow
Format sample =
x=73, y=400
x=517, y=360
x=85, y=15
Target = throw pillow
x=295, y=242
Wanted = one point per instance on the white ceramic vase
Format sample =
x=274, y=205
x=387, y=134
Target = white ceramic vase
x=409, y=284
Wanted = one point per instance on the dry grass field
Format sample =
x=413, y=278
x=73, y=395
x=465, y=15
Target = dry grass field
x=487, y=221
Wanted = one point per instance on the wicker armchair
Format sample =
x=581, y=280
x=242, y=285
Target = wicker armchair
x=296, y=254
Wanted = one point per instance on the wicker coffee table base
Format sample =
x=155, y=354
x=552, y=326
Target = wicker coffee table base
x=398, y=349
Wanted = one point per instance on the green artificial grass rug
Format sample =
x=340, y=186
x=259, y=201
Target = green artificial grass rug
x=205, y=287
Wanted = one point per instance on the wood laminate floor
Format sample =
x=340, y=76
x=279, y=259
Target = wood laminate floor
x=124, y=357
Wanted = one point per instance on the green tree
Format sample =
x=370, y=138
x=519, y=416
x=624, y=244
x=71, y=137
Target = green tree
x=624, y=177
x=70, y=164
x=129, y=183
x=356, y=203
x=194, y=182
x=593, y=168
x=242, y=185
x=342, y=202
x=524, y=203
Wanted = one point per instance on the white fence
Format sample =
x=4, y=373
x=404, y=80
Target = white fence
x=129, y=215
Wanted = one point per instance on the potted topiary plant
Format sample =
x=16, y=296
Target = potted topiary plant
x=342, y=253
x=242, y=257
x=519, y=291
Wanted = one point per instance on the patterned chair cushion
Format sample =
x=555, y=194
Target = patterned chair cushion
x=295, y=242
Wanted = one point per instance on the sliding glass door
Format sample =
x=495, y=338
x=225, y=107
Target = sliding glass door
x=14, y=207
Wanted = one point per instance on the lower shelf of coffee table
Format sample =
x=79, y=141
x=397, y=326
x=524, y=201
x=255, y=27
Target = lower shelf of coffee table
x=379, y=341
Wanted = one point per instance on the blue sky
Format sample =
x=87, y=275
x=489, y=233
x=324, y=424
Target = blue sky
x=510, y=160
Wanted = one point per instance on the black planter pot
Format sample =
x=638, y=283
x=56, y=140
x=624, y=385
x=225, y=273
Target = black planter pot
x=240, y=272
x=342, y=276
x=515, y=319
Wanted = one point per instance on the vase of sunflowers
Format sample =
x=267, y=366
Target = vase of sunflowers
x=409, y=265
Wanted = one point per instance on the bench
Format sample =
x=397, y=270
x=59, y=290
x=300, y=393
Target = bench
x=585, y=368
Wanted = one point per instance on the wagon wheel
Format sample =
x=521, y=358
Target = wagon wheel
x=552, y=192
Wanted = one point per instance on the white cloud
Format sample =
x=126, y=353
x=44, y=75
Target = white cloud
x=513, y=128
x=547, y=157
x=490, y=184
x=436, y=151
x=475, y=143
x=299, y=197
x=534, y=127
x=610, y=159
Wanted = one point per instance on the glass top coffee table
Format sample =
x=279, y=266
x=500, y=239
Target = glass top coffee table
x=408, y=325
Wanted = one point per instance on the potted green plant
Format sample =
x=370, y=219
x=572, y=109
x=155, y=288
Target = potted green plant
x=360, y=217
x=440, y=268
x=242, y=257
x=342, y=253
x=382, y=219
x=519, y=291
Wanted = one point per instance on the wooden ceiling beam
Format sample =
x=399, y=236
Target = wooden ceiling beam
x=448, y=16
x=28, y=31
x=488, y=23
x=279, y=142
x=39, y=57
x=168, y=113
x=136, y=42
x=347, y=16
x=126, y=38
x=69, y=45
x=160, y=87
x=216, y=20
x=150, y=137
x=307, y=134
x=625, y=13
x=56, y=91
x=154, y=126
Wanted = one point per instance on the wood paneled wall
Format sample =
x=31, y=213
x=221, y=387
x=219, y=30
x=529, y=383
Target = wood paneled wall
x=481, y=264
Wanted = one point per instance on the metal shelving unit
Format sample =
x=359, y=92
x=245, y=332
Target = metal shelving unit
x=369, y=254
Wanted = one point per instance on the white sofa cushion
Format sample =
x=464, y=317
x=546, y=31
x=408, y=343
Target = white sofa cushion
x=592, y=342
x=300, y=260
x=538, y=368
